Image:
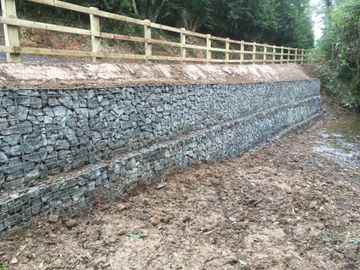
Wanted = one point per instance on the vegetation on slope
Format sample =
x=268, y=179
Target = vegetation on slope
x=340, y=49
x=280, y=22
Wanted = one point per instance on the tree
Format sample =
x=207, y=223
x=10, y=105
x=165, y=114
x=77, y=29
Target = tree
x=189, y=14
x=148, y=9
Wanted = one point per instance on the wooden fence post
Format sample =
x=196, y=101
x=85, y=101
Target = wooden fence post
x=288, y=58
x=147, y=36
x=11, y=32
x=302, y=56
x=95, y=33
x=274, y=54
x=183, y=43
x=227, y=48
x=265, y=54
x=254, y=53
x=242, y=47
x=282, y=55
x=208, y=47
x=296, y=55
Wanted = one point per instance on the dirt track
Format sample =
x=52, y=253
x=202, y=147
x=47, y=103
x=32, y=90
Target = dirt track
x=281, y=207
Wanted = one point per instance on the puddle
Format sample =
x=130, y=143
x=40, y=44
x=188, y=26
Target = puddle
x=340, y=141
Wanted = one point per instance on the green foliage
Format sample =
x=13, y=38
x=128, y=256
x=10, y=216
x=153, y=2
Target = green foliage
x=334, y=88
x=329, y=78
x=282, y=22
x=189, y=14
x=355, y=85
x=340, y=46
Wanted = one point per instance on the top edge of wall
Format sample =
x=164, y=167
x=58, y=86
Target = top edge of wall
x=74, y=76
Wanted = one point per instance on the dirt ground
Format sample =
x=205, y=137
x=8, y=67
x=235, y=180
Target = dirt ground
x=86, y=75
x=279, y=207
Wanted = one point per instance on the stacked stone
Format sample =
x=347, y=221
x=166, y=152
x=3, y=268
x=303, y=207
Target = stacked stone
x=10, y=147
x=47, y=132
x=143, y=132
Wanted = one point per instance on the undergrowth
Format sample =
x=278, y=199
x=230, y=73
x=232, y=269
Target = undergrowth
x=338, y=90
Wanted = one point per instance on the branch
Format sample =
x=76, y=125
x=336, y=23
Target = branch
x=136, y=12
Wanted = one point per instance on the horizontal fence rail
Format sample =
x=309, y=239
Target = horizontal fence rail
x=245, y=52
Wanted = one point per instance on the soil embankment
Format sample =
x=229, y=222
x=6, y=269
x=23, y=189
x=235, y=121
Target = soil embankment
x=56, y=76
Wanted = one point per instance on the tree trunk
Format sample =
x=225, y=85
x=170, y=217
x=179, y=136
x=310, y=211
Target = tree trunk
x=158, y=10
x=136, y=12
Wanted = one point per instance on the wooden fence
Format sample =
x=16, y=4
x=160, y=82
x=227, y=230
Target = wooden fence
x=231, y=51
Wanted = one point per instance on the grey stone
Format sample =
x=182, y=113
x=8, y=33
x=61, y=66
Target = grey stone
x=33, y=144
x=22, y=113
x=53, y=102
x=158, y=166
x=2, y=179
x=36, y=206
x=25, y=127
x=66, y=100
x=48, y=119
x=62, y=145
x=12, y=139
x=70, y=134
x=117, y=111
x=13, y=151
x=60, y=111
x=90, y=94
x=13, y=166
x=4, y=124
x=34, y=174
x=3, y=157
x=57, y=204
x=91, y=186
x=36, y=102
x=33, y=192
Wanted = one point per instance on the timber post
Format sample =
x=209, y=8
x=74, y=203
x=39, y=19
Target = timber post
x=254, y=53
x=227, y=48
x=183, y=44
x=147, y=36
x=11, y=32
x=208, y=48
x=95, y=34
x=265, y=54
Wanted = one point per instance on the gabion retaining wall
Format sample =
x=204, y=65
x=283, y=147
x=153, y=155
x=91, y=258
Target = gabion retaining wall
x=57, y=146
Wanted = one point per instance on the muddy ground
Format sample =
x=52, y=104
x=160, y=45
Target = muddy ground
x=280, y=207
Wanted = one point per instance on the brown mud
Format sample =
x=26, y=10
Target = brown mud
x=285, y=206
